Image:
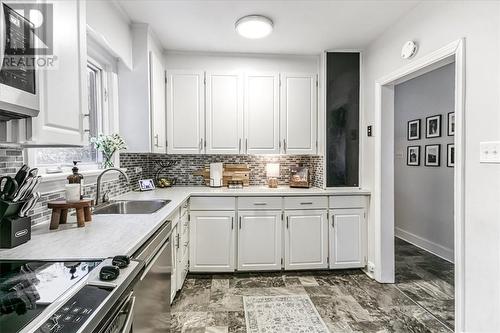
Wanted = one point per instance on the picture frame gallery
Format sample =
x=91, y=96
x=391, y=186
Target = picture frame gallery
x=432, y=152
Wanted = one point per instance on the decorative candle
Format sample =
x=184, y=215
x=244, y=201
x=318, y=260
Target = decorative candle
x=72, y=192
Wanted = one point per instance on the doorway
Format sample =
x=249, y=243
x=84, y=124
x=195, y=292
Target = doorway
x=423, y=186
x=384, y=180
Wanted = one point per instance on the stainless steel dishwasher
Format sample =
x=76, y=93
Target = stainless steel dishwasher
x=152, y=291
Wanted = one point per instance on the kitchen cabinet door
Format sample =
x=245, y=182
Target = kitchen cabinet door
x=212, y=241
x=157, y=103
x=261, y=114
x=347, y=238
x=63, y=90
x=185, y=112
x=224, y=113
x=306, y=239
x=298, y=113
x=259, y=240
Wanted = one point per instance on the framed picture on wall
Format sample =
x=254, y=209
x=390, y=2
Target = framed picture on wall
x=414, y=130
x=450, y=158
x=433, y=126
x=413, y=156
x=432, y=155
x=451, y=123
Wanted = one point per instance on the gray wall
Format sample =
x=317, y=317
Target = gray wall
x=424, y=195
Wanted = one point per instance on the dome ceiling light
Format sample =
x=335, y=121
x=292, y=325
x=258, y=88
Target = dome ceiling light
x=254, y=26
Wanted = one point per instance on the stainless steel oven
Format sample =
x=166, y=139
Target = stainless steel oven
x=152, y=291
x=122, y=317
x=19, y=93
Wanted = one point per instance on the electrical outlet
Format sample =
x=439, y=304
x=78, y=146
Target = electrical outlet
x=371, y=267
x=137, y=169
x=489, y=152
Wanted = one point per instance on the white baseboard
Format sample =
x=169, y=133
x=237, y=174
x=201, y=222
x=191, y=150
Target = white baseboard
x=425, y=244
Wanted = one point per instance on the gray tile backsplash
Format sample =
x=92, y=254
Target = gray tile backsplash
x=186, y=165
x=142, y=165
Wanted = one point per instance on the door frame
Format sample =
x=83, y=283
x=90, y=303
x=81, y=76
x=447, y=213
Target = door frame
x=384, y=165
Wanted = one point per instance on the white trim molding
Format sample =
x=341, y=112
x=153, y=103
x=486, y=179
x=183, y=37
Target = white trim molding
x=383, y=192
x=425, y=244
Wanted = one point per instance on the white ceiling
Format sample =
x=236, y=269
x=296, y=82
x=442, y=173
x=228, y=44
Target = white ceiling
x=300, y=26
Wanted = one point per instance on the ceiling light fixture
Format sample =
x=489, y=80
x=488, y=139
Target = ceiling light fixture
x=254, y=26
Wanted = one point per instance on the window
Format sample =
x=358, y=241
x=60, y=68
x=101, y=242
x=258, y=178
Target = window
x=98, y=74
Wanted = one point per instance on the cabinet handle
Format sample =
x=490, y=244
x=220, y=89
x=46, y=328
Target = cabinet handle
x=246, y=145
x=201, y=144
x=287, y=221
x=156, y=140
x=232, y=223
x=284, y=144
x=239, y=146
x=306, y=203
x=260, y=203
x=240, y=222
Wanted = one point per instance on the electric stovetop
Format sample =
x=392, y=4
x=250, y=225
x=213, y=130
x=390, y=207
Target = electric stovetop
x=27, y=288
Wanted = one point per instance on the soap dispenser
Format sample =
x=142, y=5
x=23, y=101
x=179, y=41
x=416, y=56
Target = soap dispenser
x=76, y=178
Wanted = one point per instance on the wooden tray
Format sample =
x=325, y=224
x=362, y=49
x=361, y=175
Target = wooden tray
x=232, y=172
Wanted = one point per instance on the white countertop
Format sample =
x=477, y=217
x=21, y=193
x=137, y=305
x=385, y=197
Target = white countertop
x=110, y=235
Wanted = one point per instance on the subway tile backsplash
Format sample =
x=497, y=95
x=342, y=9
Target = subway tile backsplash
x=186, y=165
x=143, y=165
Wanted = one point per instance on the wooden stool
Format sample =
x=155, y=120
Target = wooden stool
x=60, y=212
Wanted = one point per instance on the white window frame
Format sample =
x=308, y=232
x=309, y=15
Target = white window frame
x=100, y=59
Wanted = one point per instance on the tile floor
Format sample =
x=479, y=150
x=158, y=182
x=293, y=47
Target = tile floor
x=427, y=279
x=347, y=300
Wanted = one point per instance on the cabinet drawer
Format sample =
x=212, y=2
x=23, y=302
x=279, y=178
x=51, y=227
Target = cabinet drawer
x=348, y=201
x=259, y=203
x=306, y=202
x=212, y=203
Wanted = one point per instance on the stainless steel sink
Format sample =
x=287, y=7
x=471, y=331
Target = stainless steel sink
x=131, y=207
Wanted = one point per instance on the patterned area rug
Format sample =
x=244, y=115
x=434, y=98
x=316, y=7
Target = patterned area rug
x=274, y=314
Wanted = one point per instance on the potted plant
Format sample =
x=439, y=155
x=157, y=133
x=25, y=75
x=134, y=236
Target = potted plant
x=108, y=145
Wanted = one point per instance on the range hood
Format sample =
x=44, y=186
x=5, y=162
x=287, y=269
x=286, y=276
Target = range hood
x=10, y=111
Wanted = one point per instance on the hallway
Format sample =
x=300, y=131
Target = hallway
x=427, y=279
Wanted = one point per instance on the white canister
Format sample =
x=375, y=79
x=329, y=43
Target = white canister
x=72, y=192
x=216, y=174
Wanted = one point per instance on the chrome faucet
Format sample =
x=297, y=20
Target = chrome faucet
x=105, y=197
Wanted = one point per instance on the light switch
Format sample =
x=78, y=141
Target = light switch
x=489, y=152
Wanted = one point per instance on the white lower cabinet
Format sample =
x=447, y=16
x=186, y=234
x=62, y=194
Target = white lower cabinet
x=173, y=279
x=306, y=239
x=347, y=238
x=212, y=241
x=259, y=240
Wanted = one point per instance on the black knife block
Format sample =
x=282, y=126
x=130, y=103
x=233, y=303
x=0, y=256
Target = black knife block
x=9, y=208
x=14, y=231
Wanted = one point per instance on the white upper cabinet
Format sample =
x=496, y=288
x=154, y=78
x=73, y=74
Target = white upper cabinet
x=63, y=95
x=157, y=103
x=261, y=113
x=347, y=238
x=185, y=112
x=224, y=113
x=298, y=113
x=259, y=240
x=306, y=239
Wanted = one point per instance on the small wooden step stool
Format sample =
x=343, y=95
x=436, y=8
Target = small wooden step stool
x=60, y=212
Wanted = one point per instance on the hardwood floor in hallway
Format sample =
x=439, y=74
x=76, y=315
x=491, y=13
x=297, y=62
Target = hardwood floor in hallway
x=347, y=301
x=427, y=279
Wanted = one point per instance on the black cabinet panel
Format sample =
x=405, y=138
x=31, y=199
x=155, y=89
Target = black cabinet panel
x=342, y=119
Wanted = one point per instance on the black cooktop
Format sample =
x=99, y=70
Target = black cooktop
x=29, y=287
